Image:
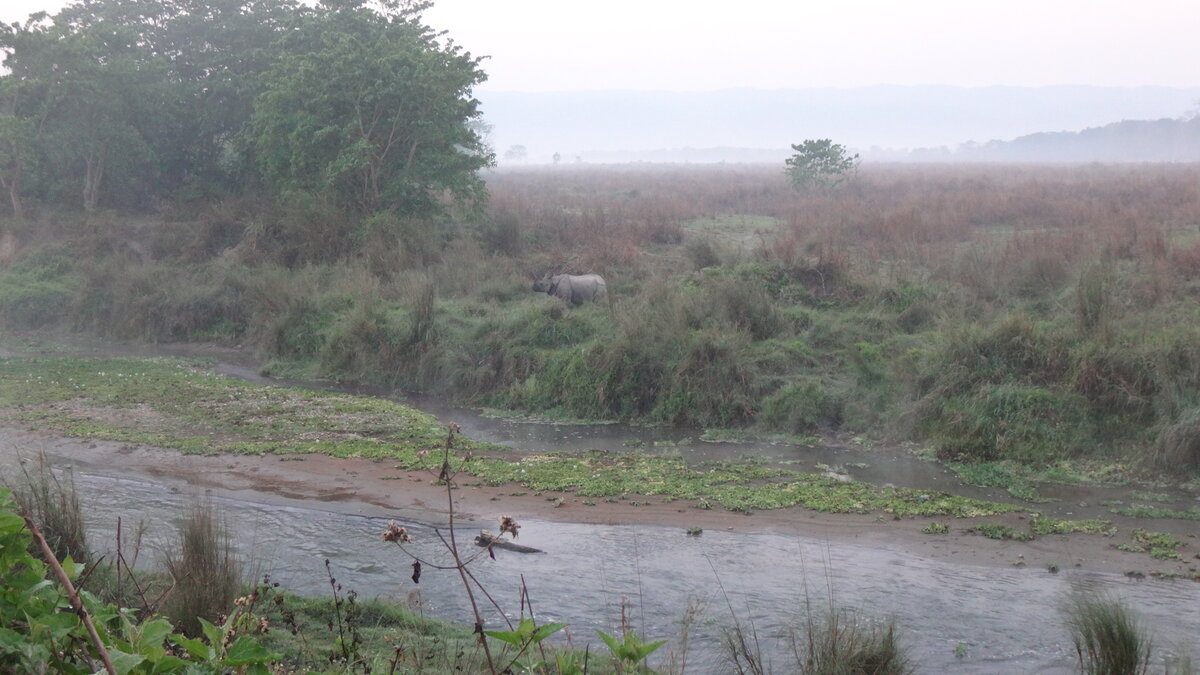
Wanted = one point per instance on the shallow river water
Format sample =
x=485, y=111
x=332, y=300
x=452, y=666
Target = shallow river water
x=955, y=617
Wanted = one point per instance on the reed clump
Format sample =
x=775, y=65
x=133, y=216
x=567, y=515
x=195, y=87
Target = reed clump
x=205, y=570
x=1107, y=637
x=845, y=643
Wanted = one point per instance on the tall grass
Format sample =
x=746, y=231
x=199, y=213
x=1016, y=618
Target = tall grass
x=956, y=305
x=204, y=568
x=1108, y=640
x=54, y=505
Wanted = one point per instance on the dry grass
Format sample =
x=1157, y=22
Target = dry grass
x=204, y=568
x=54, y=505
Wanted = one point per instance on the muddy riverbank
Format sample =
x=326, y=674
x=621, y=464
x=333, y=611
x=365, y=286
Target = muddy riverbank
x=376, y=488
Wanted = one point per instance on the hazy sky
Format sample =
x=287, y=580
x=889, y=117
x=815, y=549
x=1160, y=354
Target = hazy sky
x=555, y=45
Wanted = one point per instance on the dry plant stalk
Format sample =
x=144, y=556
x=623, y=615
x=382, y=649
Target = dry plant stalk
x=400, y=536
x=72, y=595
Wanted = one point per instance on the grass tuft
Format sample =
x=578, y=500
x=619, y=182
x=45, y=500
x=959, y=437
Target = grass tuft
x=845, y=643
x=205, y=571
x=1108, y=640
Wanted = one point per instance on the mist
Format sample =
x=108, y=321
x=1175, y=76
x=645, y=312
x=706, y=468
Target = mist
x=892, y=123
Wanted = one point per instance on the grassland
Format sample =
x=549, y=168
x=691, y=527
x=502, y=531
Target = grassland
x=1042, y=320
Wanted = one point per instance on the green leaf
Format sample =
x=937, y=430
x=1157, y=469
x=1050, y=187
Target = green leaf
x=547, y=630
x=646, y=649
x=169, y=664
x=613, y=645
x=124, y=662
x=196, y=648
x=511, y=637
x=152, y=633
x=246, y=651
x=70, y=568
x=10, y=522
x=57, y=625
x=216, y=637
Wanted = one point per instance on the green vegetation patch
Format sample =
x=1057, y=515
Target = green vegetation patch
x=1006, y=475
x=1055, y=526
x=180, y=405
x=183, y=406
x=1000, y=531
x=1159, y=545
x=1148, y=511
x=1156, y=539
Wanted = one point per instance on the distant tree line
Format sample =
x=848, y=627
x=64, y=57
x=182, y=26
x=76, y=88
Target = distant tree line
x=120, y=104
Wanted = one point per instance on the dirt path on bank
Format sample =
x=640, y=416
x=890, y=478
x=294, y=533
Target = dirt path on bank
x=377, y=488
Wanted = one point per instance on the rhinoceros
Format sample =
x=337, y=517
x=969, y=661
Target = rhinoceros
x=575, y=289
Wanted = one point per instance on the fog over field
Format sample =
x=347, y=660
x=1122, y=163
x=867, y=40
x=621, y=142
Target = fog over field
x=757, y=125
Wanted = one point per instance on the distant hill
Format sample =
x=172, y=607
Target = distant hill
x=758, y=125
x=1165, y=140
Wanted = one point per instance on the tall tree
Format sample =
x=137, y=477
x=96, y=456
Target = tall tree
x=372, y=109
x=87, y=89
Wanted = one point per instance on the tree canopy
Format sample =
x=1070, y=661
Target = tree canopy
x=820, y=163
x=120, y=104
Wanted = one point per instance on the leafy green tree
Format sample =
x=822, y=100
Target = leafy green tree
x=134, y=100
x=820, y=164
x=89, y=92
x=368, y=108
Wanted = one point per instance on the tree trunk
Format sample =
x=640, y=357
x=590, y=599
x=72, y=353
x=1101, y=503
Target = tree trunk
x=93, y=175
x=13, y=185
x=14, y=195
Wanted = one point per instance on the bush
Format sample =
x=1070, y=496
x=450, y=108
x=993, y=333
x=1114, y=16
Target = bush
x=712, y=383
x=800, y=408
x=1178, y=443
x=1025, y=424
x=34, y=291
x=745, y=303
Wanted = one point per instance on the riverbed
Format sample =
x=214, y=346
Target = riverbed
x=961, y=602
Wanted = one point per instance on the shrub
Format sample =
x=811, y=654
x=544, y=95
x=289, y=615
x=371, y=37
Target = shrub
x=800, y=408
x=744, y=303
x=701, y=253
x=1178, y=443
x=712, y=383
x=1093, y=299
x=1026, y=424
x=34, y=291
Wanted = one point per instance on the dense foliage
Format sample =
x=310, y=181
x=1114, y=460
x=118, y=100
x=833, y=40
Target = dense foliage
x=133, y=105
